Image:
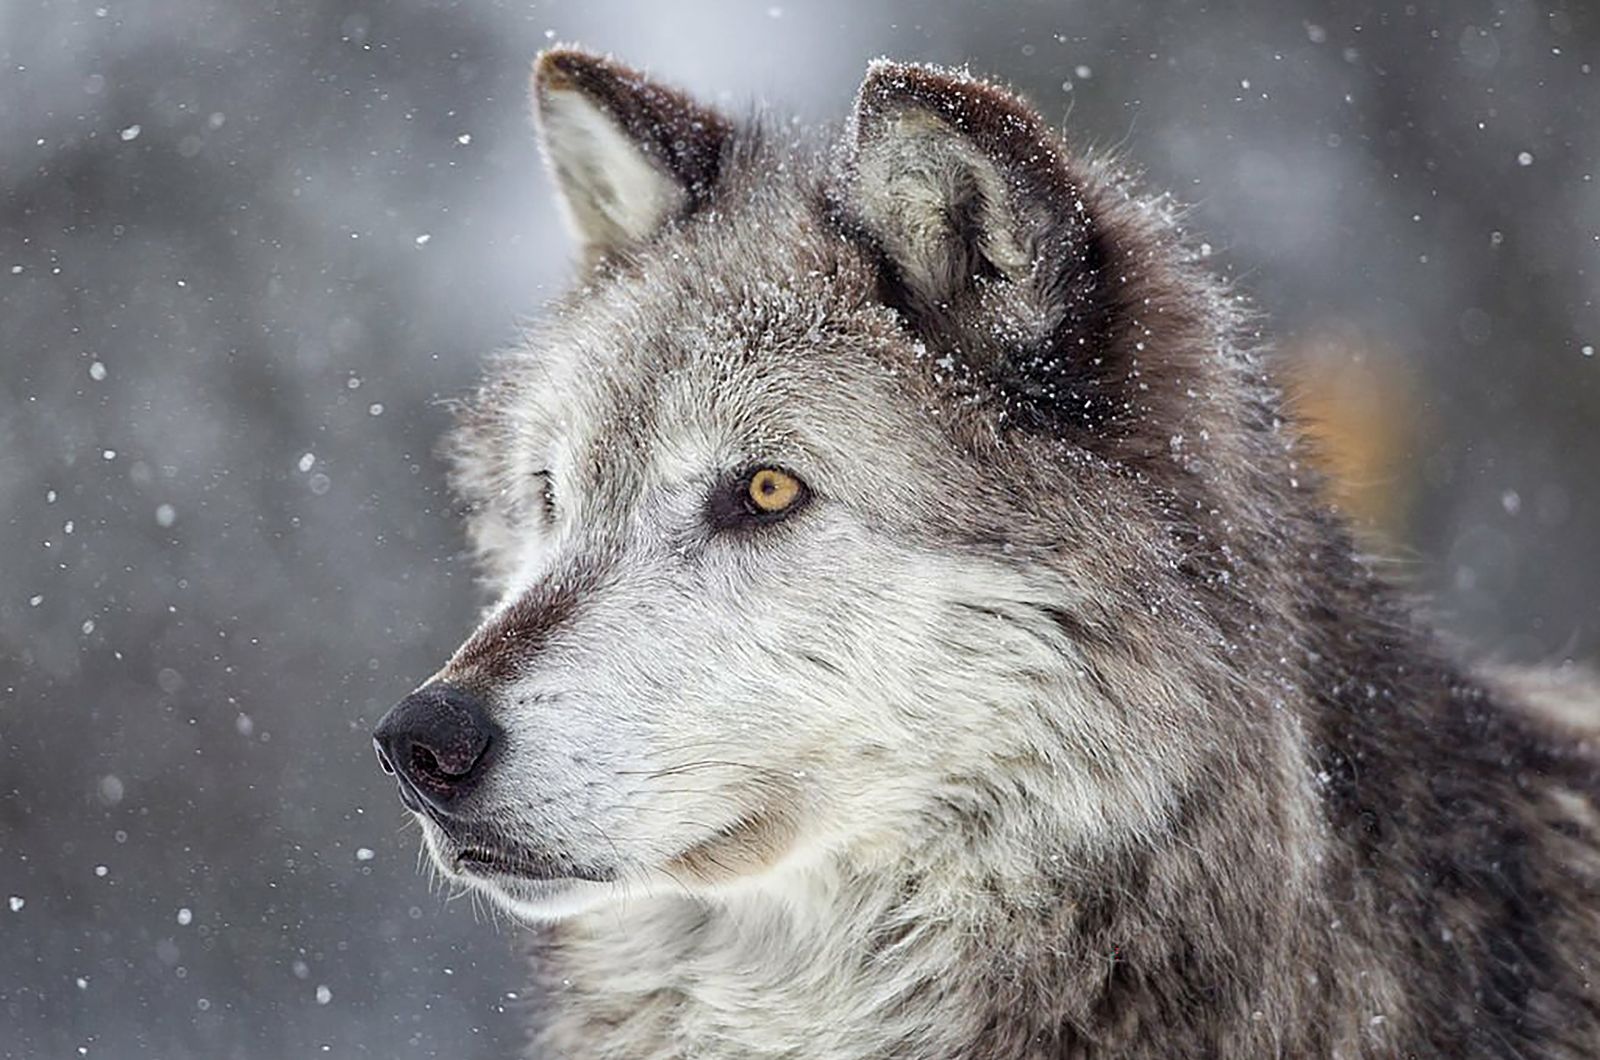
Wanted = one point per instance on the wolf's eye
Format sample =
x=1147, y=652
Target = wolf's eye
x=547, y=493
x=756, y=497
x=771, y=490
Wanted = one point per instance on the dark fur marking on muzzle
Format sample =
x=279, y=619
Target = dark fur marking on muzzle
x=504, y=646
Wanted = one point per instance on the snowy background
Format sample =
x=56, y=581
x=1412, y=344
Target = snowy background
x=245, y=248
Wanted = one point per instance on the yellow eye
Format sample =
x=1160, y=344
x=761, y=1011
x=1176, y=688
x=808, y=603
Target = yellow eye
x=772, y=491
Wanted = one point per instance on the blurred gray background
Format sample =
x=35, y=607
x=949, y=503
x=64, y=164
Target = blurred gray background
x=246, y=247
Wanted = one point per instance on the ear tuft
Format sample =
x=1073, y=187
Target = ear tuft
x=629, y=154
x=957, y=179
x=989, y=245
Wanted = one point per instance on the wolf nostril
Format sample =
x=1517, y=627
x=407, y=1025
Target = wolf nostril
x=425, y=762
x=383, y=759
x=437, y=741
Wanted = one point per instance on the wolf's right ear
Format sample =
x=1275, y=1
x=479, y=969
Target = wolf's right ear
x=960, y=182
x=988, y=245
x=628, y=154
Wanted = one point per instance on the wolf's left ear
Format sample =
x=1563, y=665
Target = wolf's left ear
x=971, y=203
x=629, y=154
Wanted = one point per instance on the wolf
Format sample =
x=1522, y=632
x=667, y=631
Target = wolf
x=919, y=632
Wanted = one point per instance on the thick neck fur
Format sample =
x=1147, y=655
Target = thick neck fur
x=987, y=947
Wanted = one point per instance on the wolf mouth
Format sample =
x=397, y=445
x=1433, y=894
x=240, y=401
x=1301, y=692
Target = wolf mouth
x=489, y=862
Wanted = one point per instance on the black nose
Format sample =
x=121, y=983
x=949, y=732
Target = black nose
x=437, y=741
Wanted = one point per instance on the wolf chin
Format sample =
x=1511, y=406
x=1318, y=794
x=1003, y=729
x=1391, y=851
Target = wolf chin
x=920, y=633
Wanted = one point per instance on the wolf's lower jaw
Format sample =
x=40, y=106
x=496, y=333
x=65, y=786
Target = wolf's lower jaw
x=732, y=857
x=541, y=902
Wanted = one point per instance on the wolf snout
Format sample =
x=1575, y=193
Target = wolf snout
x=437, y=742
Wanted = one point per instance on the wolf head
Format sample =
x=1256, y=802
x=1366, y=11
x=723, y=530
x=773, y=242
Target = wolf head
x=857, y=490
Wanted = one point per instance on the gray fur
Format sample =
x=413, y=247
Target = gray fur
x=1063, y=720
